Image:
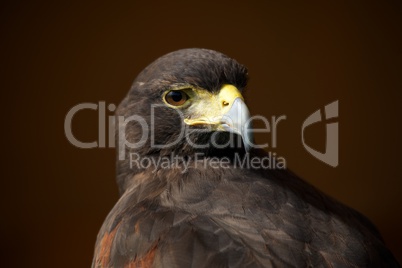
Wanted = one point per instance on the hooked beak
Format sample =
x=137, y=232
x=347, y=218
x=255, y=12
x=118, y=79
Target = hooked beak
x=237, y=120
x=225, y=111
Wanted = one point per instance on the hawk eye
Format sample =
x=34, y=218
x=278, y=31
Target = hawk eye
x=176, y=97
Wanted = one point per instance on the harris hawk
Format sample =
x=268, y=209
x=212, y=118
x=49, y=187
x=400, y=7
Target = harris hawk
x=187, y=107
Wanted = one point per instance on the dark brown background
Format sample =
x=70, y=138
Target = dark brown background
x=300, y=58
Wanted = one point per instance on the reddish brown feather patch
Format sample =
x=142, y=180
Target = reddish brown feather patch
x=103, y=257
x=145, y=262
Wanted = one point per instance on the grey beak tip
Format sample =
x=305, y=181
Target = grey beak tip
x=237, y=120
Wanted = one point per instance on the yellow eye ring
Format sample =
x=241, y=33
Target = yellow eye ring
x=176, y=97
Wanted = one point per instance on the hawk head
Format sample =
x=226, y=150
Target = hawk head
x=186, y=102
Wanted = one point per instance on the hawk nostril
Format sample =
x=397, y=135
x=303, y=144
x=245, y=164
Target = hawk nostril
x=225, y=103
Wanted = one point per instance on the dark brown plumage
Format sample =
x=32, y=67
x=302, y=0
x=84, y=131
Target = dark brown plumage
x=220, y=217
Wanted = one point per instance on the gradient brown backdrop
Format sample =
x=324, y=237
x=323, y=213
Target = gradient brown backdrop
x=300, y=58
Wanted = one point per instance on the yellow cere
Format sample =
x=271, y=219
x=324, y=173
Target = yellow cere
x=208, y=108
